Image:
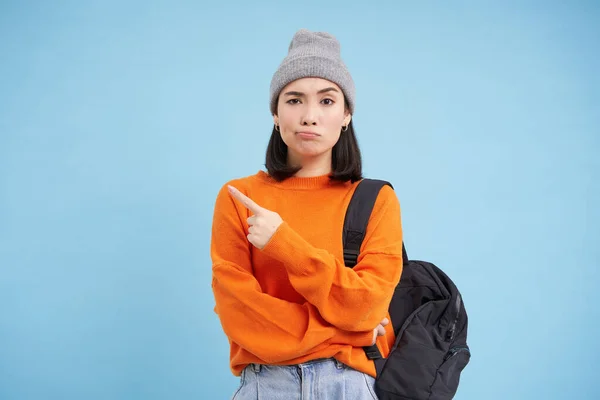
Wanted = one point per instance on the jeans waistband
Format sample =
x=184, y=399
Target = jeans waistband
x=338, y=364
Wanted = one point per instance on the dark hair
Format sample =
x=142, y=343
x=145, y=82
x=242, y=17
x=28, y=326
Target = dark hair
x=346, y=162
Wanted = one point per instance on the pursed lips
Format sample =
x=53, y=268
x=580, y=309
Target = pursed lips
x=307, y=134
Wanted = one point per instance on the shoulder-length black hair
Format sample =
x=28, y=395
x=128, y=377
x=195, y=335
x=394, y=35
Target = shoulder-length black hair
x=346, y=162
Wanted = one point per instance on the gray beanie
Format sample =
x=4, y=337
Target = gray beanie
x=313, y=54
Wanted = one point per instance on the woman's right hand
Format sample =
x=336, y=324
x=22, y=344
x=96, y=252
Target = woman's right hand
x=380, y=330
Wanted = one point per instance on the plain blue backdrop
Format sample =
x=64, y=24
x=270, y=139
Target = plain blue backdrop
x=119, y=122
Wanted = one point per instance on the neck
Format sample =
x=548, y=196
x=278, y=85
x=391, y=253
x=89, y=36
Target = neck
x=312, y=166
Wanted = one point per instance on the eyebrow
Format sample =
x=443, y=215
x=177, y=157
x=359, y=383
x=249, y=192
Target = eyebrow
x=300, y=94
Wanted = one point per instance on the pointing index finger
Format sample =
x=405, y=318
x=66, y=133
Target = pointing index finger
x=246, y=201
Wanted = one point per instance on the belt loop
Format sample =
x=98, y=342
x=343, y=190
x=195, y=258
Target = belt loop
x=338, y=363
x=256, y=367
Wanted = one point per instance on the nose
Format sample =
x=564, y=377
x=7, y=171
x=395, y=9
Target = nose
x=310, y=116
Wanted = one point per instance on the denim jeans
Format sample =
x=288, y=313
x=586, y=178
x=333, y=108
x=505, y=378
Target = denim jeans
x=325, y=379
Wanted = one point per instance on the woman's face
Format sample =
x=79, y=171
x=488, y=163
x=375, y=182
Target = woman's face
x=311, y=114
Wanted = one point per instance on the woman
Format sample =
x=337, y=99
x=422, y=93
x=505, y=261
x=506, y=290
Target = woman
x=296, y=318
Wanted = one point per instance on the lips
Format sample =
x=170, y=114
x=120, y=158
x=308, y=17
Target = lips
x=307, y=134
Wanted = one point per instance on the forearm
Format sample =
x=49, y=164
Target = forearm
x=272, y=329
x=353, y=299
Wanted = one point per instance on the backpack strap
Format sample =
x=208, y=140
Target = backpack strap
x=355, y=226
x=357, y=218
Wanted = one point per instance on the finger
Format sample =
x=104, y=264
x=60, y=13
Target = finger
x=252, y=229
x=384, y=322
x=245, y=200
x=251, y=220
x=380, y=330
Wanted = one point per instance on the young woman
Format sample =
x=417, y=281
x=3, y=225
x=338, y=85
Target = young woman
x=296, y=317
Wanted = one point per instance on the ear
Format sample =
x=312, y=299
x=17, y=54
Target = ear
x=347, y=118
x=275, y=119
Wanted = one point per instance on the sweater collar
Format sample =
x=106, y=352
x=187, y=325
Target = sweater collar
x=294, y=182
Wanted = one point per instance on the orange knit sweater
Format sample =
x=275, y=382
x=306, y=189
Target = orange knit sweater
x=295, y=300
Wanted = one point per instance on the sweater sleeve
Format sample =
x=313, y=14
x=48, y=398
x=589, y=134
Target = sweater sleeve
x=354, y=299
x=270, y=328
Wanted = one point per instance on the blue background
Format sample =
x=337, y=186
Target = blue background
x=119, y=121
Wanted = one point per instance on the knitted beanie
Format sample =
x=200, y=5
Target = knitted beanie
x=313, y=54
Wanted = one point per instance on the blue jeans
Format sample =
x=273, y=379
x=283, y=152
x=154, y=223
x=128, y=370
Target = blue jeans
x=325, y=379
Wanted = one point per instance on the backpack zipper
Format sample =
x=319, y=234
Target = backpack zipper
x=455, y=350
x=452, y=330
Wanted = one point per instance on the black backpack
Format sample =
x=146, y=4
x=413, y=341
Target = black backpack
x=427, y=313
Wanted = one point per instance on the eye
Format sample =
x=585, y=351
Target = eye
x=330, y=102
x=293, y=101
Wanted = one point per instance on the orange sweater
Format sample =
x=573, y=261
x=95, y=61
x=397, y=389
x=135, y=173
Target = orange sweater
x=295, y=300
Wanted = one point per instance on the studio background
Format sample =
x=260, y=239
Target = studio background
x=120, y=121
